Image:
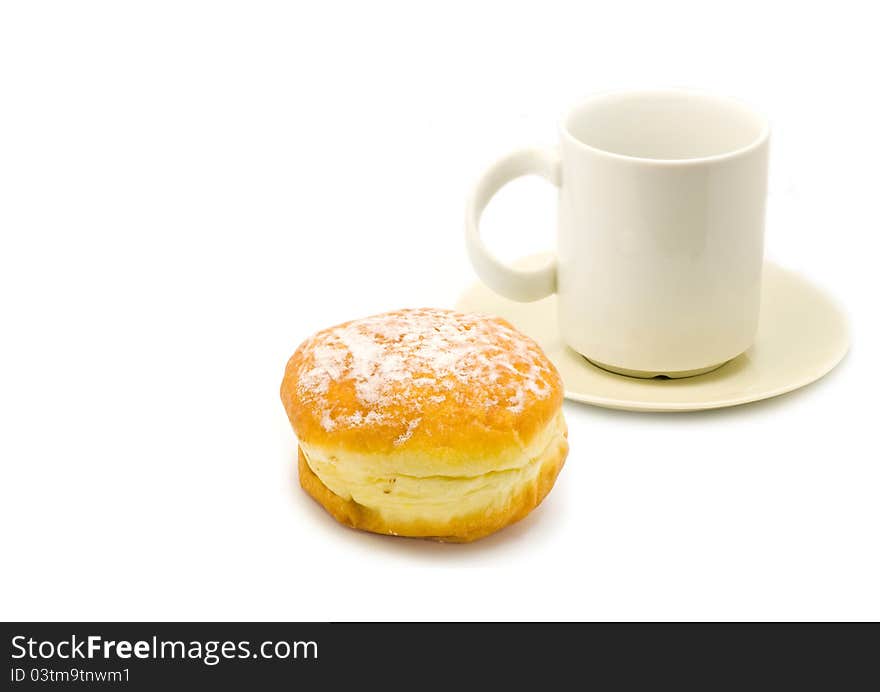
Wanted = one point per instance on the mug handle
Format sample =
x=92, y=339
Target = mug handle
x=524, y=285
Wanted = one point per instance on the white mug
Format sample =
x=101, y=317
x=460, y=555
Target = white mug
x=661, y=230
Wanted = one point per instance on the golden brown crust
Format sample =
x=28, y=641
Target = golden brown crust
x=460, y=529
x=429, y=381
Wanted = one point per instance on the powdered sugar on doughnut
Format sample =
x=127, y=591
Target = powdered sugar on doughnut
x=413, y=360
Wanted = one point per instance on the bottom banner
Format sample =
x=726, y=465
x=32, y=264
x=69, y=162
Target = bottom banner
x=147, y=656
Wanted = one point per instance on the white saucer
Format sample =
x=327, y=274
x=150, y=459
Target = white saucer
x=802, y=335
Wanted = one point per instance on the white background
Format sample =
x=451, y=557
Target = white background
x=187, y=190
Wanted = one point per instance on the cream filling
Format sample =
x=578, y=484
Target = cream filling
x=398, y=496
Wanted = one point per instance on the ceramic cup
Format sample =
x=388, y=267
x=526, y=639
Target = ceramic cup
x=660, y=231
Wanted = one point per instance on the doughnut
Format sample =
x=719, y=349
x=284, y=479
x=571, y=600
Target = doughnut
x=426, y=423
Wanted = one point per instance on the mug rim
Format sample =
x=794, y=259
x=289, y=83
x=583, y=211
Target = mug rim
x=759, y=141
